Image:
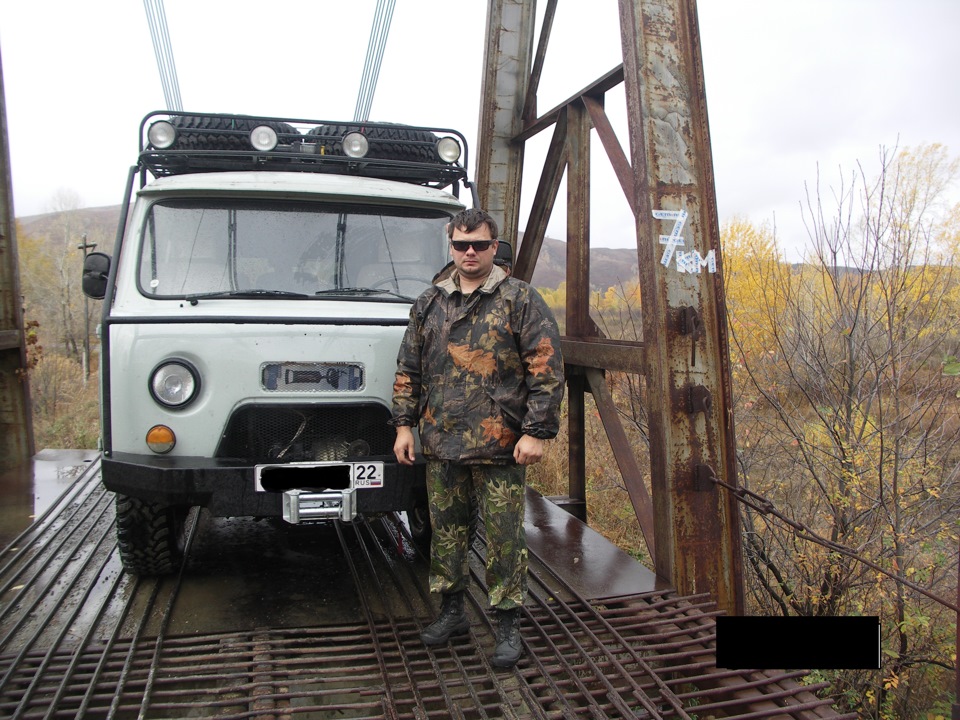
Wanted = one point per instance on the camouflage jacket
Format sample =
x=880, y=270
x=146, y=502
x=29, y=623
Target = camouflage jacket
x=478, y=372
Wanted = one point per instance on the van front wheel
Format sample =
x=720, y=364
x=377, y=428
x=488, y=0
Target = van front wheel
x=150, y=536
x=419, y=521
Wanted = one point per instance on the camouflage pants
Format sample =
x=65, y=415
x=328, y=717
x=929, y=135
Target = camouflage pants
x=456, y=493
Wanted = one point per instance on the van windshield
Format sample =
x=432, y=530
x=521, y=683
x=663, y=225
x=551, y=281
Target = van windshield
x=288, y=249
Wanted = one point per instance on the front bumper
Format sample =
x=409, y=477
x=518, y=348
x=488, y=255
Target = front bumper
x=228, y=488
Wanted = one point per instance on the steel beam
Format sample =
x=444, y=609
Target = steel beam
x=578, y=303
x=626, y=460
x=687, y=357
x=16, y=430
x=691, y=528
x=543, y=201
x=506, y=79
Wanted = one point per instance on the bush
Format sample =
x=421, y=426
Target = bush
x=65, y=408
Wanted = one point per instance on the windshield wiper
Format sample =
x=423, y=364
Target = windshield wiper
x=362, y=291
x=244, y=294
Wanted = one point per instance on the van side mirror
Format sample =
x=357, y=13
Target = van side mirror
x=96, y=269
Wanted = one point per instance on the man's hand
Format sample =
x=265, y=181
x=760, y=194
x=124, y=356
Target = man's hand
x=529, y=450
x=403, y=446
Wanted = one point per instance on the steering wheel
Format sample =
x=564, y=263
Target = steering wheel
x=395, y=280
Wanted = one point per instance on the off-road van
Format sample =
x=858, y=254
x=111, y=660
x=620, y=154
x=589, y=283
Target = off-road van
x=254, y=304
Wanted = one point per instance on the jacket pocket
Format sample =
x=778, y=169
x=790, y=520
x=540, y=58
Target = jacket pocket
x=509, y=402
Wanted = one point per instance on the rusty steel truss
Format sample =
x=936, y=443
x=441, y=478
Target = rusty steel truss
x=16, y=432
x=691, y=528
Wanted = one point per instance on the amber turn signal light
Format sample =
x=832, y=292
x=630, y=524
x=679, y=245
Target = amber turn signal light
x=161, y=439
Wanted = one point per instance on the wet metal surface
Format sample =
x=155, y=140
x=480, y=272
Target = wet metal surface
x=589, y=563
x=274, y=621
x=28, y=490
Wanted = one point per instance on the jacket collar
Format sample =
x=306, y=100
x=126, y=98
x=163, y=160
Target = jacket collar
x=451, y=283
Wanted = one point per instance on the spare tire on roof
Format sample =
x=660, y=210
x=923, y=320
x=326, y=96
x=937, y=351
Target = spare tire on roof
x=393, y=142
x=211, y=132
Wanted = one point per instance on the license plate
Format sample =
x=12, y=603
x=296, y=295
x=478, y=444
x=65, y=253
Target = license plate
x=334, y=475
x=366, y=474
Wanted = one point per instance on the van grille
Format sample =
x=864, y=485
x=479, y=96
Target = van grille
x=298, y=433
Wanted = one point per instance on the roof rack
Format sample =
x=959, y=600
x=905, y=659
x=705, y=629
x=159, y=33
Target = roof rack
x=173, y=143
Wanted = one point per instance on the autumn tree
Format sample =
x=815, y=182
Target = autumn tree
x=847, y=421
x=64, y=403
x=50, y=268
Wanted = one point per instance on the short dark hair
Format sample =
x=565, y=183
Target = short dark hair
x=470, y=219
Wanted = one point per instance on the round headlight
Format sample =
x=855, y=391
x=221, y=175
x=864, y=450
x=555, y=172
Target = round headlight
x=162, y=135
x=174, y=383
x=355, y=145
x=263, y=138
x=448, y=149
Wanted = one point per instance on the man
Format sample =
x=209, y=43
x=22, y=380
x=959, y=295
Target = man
x=480, y=372
x=503, y=259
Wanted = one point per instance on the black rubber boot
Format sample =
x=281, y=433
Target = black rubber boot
x=451, y=621
x=509, y=647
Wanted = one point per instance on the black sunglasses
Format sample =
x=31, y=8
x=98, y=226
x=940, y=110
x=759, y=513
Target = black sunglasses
x=478, y=245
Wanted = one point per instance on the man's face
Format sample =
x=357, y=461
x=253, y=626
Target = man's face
x=472, y=262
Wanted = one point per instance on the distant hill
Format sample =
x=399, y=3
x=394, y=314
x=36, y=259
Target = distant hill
x=608, y=266
x=99, y=223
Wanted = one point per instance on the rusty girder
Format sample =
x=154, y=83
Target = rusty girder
x=691, y=529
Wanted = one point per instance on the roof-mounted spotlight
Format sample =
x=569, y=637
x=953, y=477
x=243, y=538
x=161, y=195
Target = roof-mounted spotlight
x=263, y=138
x=162, y=135
x=448, y=149
x=355, y=145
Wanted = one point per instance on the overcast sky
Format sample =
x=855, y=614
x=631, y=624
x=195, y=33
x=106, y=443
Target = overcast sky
x=791, y=85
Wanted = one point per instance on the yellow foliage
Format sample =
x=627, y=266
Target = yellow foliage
x=845, y=417
x=754, y=277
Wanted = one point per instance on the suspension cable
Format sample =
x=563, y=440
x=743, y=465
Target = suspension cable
x=163, y=50
x=379, y=30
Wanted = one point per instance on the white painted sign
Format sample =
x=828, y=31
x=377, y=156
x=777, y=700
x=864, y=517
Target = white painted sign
x=674, y=239
x=691, y=262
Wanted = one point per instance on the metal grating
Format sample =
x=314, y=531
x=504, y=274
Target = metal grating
x=315, y=672
x=79, y=639
x=610, y=664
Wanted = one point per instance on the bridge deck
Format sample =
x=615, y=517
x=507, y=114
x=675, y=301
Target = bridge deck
x=270, y=620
